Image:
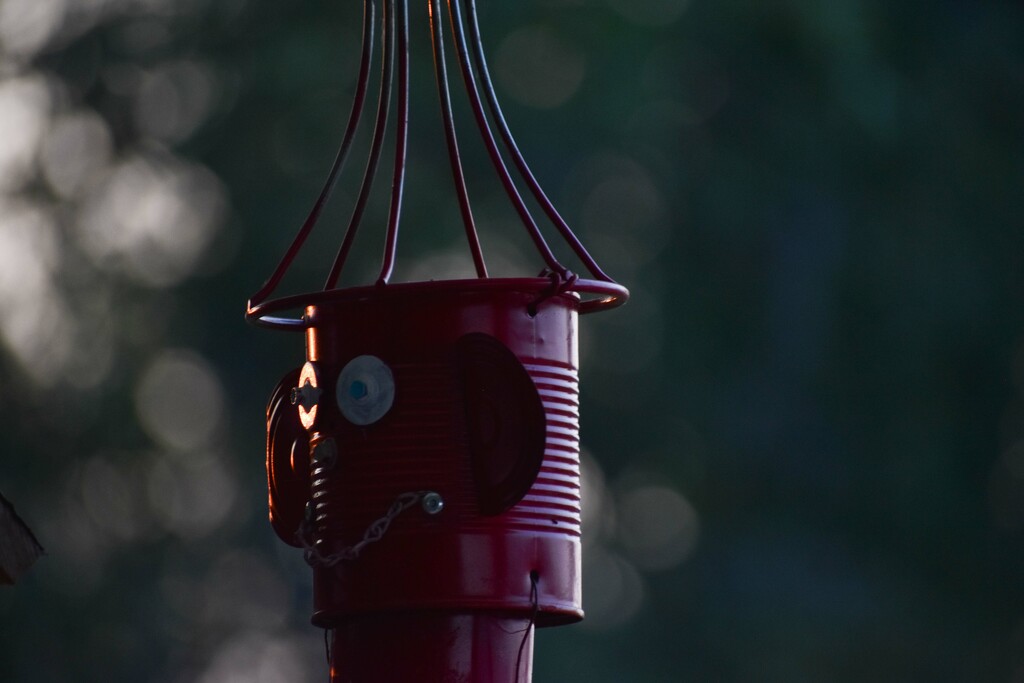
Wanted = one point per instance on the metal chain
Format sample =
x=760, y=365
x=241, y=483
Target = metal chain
x=373, y=533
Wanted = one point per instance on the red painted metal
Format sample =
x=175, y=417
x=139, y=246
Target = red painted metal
x=433, y=647
x=480, y=572
x=287, y=462
x=426, y=456
x=480, y=90
x=459, y=559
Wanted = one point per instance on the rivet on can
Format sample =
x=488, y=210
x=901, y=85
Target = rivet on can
x=432, y=503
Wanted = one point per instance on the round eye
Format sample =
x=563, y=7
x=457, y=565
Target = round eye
x=366, y=390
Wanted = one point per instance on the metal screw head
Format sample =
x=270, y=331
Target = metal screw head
x=305, y=396
x=432, y=503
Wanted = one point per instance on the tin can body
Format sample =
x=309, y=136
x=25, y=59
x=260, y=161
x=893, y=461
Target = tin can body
x=441, y=427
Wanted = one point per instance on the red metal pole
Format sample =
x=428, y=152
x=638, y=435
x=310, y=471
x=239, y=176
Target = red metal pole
x=447, y=648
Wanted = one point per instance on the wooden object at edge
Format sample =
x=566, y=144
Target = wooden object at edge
x=19, y=548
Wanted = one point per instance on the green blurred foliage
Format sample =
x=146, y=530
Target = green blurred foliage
x=816, y=205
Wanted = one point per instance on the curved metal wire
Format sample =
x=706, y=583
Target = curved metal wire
x=401, y=144
x=476, y=76
x=376, y=146
x=513, y=149
x=469, y=78
x=359, y=99
x=458, y=176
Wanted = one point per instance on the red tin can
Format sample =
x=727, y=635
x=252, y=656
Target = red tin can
x=448, y=413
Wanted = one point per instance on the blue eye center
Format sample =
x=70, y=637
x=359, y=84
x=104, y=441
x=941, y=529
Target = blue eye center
x=358, y=389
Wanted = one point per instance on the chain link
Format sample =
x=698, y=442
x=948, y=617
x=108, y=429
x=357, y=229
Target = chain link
x=373, y=533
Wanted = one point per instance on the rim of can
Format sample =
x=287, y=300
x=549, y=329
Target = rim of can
x=606, y=295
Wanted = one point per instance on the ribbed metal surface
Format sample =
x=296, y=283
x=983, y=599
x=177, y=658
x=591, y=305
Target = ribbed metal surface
x=553, y=503
x=460, y=559
x=422, y=446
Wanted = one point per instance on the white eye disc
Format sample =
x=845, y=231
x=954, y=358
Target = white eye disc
x=366, y=390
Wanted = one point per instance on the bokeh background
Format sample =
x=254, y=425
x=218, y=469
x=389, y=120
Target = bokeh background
x=804, y=434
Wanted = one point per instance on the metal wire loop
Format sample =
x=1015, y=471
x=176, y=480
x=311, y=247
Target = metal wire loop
x=490, y=122
x=560, y=284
